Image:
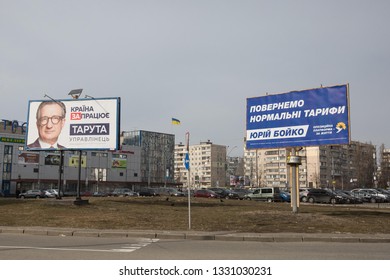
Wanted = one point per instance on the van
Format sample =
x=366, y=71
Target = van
x=268, y=194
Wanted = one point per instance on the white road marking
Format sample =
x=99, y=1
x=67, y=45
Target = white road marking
x=127, y=248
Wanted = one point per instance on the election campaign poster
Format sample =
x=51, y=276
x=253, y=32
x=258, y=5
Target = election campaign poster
x=73, y=124
x=299, y=118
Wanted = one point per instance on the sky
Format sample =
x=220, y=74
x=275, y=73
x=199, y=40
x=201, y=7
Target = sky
x=196, y=60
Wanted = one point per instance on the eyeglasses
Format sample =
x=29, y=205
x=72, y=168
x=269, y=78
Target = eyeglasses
x=45, y=120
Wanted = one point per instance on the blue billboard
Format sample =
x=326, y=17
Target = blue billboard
x=299, y=118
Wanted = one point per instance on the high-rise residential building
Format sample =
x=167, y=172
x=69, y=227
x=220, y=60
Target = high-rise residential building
x=383, y=175
x=336, y=166
x=207, y=165
x=234, y=171
x=265, y=167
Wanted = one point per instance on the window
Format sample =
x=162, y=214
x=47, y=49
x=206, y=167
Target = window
x=266, y=191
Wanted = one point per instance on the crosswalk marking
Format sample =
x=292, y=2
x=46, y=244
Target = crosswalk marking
x=125, y=248
x=134, y=246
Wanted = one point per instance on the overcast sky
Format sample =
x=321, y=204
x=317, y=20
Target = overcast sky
x=197, y=60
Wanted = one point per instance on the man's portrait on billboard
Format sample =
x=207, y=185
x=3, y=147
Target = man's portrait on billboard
x=50, y=119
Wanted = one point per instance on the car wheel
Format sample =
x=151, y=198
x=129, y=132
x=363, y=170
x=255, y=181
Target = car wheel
x=311, y=199
x=22, y=197
x=333, y=200
x=37, y=197
x=269, y=199
x=372, y=200
x=304, y=199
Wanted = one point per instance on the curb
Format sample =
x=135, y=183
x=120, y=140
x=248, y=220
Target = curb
x=218, y=236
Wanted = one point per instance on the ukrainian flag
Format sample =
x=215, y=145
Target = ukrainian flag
x=175, y=121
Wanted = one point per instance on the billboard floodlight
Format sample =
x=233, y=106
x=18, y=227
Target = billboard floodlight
x=75, y=93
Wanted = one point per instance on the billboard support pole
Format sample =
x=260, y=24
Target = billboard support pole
x=60, y=171
x=78, y=197
x=294, y=161
x=75, y=95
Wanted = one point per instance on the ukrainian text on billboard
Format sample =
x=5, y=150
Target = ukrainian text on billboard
x=74, y=124
x=299, y=118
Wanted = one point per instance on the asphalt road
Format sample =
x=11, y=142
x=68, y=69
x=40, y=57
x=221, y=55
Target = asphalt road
x=40, y=247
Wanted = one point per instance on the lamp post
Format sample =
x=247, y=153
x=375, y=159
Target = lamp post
x=75, y=95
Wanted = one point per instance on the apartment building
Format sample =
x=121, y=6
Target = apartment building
x=207, y=165
x=383, y=175
x=341, y=166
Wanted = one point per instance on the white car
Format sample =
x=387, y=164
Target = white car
x=49, y=193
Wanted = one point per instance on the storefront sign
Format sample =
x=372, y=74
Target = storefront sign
x=14, y=125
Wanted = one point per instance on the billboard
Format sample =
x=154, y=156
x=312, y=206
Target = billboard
x=28, y=158
x=299, y=118
x=73, y=124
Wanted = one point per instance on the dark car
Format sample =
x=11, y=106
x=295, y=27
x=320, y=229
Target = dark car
x=349, y=197
x=241, y=192
x=32, y=194
x=169, y=192
x=323, y=196
x=148, y=192
x=224, y=193
x=206, y=193
x=285, y=196
x=99, y=194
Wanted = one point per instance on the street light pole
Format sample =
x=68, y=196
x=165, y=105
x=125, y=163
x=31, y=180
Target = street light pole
x=75, y=95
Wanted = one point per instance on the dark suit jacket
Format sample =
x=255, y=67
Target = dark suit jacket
x=36, y=144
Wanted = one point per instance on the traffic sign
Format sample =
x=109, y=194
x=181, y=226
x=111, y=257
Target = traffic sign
x=187, y=161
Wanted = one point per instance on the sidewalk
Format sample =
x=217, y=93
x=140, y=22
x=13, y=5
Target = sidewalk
x=196, y=235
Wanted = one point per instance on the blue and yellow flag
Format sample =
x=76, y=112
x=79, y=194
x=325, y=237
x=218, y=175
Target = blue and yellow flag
x=175, y=121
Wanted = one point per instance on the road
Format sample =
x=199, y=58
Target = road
x=39, y=247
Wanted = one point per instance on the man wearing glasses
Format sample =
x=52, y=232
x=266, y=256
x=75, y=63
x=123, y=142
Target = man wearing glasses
x=50, y=121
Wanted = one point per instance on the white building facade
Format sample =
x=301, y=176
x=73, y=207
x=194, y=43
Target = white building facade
x=207, y=165
x=341, y=166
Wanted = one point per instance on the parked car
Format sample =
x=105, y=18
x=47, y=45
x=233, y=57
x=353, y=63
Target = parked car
x=323, y=196
x=303, y=194
x=386, y=193
x=148, y=192
x=266, y=194
x=380, y=196
x=206, y=193
x=285, y=196
x=349, y=197
x=53, y=192
x=49, y=194
x=241, y=192
x=225, y=193
x=32, y=194
x=169, y=191
x=99, y=194
x=368, y=195
x=123, y=192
